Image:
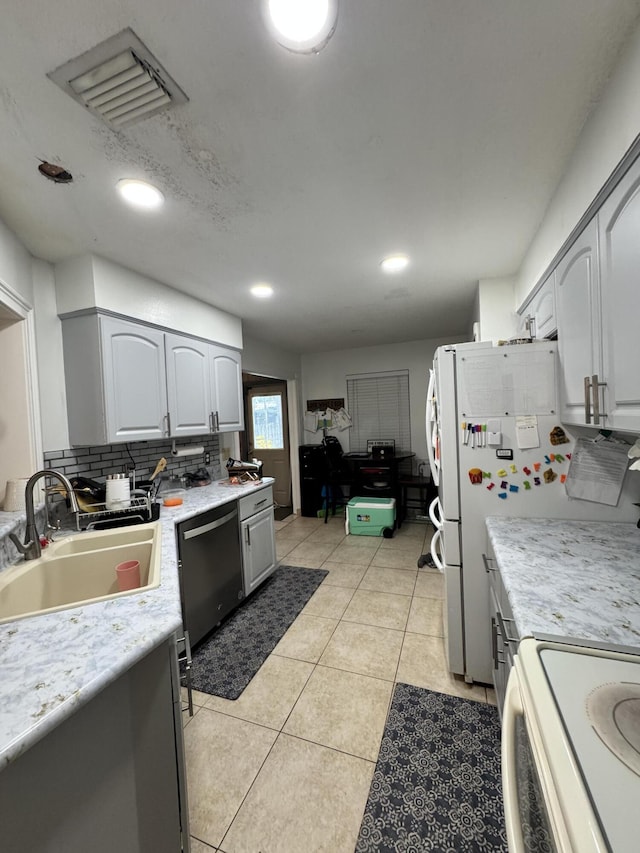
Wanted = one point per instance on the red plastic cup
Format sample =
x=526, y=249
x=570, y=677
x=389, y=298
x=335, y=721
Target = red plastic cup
x=128, y=575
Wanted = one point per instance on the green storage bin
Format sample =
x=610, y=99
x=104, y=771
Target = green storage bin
x=370, y=516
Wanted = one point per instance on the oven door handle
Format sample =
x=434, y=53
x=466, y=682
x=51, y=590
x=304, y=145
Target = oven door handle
x=509, y=748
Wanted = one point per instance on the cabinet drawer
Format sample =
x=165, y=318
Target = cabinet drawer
x=255, y=502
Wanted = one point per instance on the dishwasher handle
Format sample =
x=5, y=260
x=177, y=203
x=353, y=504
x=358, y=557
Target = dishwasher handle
x=213, y=525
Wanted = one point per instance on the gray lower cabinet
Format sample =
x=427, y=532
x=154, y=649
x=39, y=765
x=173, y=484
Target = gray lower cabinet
x=504, y=639
x=257, y=534
x=109, y=778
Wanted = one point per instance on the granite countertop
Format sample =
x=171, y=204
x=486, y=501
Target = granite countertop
x=52, y=664
x=572, y=578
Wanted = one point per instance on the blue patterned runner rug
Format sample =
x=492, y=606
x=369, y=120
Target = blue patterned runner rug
x=226, y=662
x=437, y=785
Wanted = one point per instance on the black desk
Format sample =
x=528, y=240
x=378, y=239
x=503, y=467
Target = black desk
x=373, y=477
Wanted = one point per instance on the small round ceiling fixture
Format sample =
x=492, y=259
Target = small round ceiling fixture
x=302, y=26
x=394, y=263
x=140, y=194
x=262, y=290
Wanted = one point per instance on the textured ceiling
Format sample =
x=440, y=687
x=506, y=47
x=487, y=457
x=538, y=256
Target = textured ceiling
x=436, y=128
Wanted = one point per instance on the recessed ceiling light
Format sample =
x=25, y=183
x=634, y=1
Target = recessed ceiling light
x=140, y=194
x=303, y=26
x=262, y=291
x=394, y=263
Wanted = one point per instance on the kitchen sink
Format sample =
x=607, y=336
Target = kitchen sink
x=82, y=542
x=79, y=570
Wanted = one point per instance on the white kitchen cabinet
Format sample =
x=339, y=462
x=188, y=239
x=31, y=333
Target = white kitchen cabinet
x=226, y=389
x=126, y=381
x=188, y=385
x=538, y=316
x=115, y=380
x=257, y=533
x=619, y=234
x=579, y=323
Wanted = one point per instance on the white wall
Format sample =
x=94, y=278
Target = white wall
x=607, y=135
x=15, y=265
x=266, y=360
x=496, y=313
x=91, y=281
x=53, y=398
x=324, y=375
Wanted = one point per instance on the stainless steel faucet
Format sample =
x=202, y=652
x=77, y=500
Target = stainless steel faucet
x=31, y=548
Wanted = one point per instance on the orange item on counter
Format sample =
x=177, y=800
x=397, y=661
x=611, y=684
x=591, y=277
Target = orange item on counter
x=172, y=501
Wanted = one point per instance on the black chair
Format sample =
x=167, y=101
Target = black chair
x=337, y=477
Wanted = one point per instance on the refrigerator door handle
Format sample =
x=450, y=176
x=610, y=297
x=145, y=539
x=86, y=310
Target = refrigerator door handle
x=587, y=400
x=435, y=555
x=435, y=513
x=430, y=425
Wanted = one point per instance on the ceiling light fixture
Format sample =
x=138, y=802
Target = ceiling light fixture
x=394, y=263
x=140, y=194
x=302, y=26
x=262, y=291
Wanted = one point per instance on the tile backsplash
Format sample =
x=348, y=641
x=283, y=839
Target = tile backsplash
x=97, y=462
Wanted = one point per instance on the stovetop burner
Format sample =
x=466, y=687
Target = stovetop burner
x=614, y=712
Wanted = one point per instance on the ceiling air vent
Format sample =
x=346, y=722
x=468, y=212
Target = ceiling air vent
x=119, y=80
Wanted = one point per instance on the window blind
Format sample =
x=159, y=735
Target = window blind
x=379, y=407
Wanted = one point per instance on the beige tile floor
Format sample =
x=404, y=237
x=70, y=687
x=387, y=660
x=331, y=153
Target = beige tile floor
x=286, y=767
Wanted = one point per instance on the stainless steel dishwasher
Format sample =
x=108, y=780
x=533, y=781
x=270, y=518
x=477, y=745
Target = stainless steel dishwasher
x=210, y=567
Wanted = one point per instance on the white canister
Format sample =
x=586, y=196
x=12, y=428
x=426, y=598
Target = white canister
x=14, y=495
x=118, y=491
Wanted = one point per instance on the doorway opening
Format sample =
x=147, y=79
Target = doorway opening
x=266, y=435
x=19, y=449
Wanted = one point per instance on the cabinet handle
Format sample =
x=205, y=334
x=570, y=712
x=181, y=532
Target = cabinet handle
x=587, y=400
x=596, y=385
x=210, y=421
x=494, y=642
x=486, y=560
x=505, y=637
x=249, y=537
x=217, y=422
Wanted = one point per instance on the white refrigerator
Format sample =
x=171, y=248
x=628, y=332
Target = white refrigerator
x=494, y=441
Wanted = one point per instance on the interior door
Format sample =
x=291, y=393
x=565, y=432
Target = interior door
x=268, y=436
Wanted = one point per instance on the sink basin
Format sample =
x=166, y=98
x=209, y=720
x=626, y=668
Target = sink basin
x=79, y=570
x=83, y=542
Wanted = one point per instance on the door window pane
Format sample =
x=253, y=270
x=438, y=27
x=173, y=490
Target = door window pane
x=266, y=414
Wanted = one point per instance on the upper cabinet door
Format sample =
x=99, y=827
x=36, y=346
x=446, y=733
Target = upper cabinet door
x=133, y=367
x=226, y=386
x=544, y=309
x=538, y=316
x=188, y=385
x=619, y=220
x=578, y=308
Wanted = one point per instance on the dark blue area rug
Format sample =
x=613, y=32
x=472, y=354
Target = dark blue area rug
x=226, y=661
x=437, y=784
